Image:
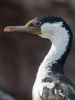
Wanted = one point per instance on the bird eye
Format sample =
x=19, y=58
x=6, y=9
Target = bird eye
x=38, y=23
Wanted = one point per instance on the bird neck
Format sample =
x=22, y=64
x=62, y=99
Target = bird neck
x=55, y=59
x=61, y=40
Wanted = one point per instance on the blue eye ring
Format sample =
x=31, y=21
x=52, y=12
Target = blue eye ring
x=38, y=23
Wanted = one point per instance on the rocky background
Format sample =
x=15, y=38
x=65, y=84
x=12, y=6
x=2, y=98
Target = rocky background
x=22, y=53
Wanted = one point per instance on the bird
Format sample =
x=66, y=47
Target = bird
x=50, y=82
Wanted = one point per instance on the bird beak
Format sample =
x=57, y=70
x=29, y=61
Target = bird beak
x=24, y=28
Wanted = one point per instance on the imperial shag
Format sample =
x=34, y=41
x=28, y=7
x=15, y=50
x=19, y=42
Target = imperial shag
x=51, y=83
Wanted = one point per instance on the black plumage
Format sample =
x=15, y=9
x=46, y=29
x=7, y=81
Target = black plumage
x=64, y=89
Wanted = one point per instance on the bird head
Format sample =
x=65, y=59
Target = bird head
x=46, y=26
x=53, y=28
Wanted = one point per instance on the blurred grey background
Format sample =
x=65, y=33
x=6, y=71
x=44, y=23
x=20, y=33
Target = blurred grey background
x=22, y=53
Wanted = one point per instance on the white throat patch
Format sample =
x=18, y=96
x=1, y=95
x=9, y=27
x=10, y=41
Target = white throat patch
x=59, y=37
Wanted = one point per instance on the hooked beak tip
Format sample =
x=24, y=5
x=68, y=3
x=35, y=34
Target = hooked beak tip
x=6, y=29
